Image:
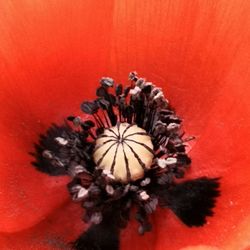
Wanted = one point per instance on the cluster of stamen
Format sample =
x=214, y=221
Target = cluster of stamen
x=130, y=153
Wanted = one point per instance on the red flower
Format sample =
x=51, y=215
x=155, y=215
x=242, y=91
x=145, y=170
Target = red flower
x=53, y=54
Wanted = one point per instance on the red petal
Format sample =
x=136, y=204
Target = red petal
x=55, y=232
x=49, y=52
x=196, y=50
x=199, y=53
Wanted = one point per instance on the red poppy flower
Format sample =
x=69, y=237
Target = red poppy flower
x=53, y=53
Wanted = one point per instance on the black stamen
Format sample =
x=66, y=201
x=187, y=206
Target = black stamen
x=97, y=121
x=101, y=122
x=107, y=197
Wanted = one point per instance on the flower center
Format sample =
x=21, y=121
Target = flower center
x=125, y=150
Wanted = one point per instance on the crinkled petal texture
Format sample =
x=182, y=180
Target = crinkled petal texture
x=52, y=55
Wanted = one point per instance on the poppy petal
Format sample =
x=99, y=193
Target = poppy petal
x=55, y=232
x=199, y=53
x=49, y=56
x=199, y=48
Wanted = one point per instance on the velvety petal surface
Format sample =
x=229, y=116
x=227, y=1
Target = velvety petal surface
x=198, y=51
x=53, y=55
x=54, y=232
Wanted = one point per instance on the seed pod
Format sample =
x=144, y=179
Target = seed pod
x=125, y=150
